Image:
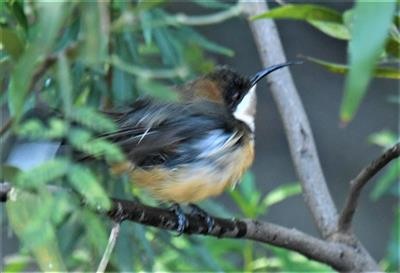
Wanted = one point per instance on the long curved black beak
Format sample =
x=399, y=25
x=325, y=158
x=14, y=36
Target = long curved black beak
x=261, y=74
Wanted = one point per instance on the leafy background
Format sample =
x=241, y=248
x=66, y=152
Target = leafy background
x=94, y=55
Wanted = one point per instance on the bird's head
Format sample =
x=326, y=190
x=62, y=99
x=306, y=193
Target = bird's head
x=235, y=91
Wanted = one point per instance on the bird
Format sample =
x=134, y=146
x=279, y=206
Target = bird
x=186, y=151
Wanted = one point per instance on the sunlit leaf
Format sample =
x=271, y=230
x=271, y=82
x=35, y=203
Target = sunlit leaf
x=366, y=45
x=281, y=193
x=379, y=72
x=302, y=12
x=383, y=138
x=86, y=183
x=335, y=30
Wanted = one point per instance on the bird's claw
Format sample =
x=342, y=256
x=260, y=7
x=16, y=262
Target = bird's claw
x=183, y=222
x=197, y=211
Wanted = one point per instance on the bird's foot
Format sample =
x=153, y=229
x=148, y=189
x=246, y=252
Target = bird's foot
x=183, y=222
x=197, y=211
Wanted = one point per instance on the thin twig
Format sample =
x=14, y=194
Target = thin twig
x=110, y=246
x=358, y=183
x=297, y=127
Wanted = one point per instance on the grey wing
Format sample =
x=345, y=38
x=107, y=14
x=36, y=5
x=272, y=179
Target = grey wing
x=159, y=133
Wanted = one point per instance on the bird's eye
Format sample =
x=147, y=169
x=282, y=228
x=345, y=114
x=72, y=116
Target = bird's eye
x=235, y=96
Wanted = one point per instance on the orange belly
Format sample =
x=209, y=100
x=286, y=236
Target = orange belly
x=194, y=182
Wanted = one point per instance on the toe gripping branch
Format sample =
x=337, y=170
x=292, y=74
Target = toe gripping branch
x=183, y=221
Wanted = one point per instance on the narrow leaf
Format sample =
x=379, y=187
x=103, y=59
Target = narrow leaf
x=42, y=174
x=326, y=20
x=302, y=12
x=86, y=183
x=281, y=193
x=368, y=39
x=92, y=119
x=379, y=72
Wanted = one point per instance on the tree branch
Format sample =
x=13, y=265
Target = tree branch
x=339, y=256
x=297, y=127
x=357, y=184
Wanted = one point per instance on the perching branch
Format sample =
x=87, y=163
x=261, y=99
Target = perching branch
x=358, y=183
x=295, y=121
x=339, y=256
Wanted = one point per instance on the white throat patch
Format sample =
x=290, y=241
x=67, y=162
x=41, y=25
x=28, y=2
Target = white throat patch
x=246, y=109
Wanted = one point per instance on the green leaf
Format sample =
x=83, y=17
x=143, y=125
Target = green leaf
x=157, y=90
x=86, y=183
x=335, y=30
x=11, y=42
x=192, y=37
x=39, y=235
x=16, y=263
x=327, y=20
x=383, y=138
x=302, y=12
x=372, y=21
x=92, y=119
x=35, y=129
x=96, y=147
x=389, y=178
x=45, y=173
x=379, y=72
x=146, y=5
x=281, y=193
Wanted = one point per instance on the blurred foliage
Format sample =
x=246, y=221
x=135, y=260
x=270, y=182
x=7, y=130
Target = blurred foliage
x=78, y=57
x=372, y=31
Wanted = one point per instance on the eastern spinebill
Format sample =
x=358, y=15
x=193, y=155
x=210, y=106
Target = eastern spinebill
x=186, y=151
